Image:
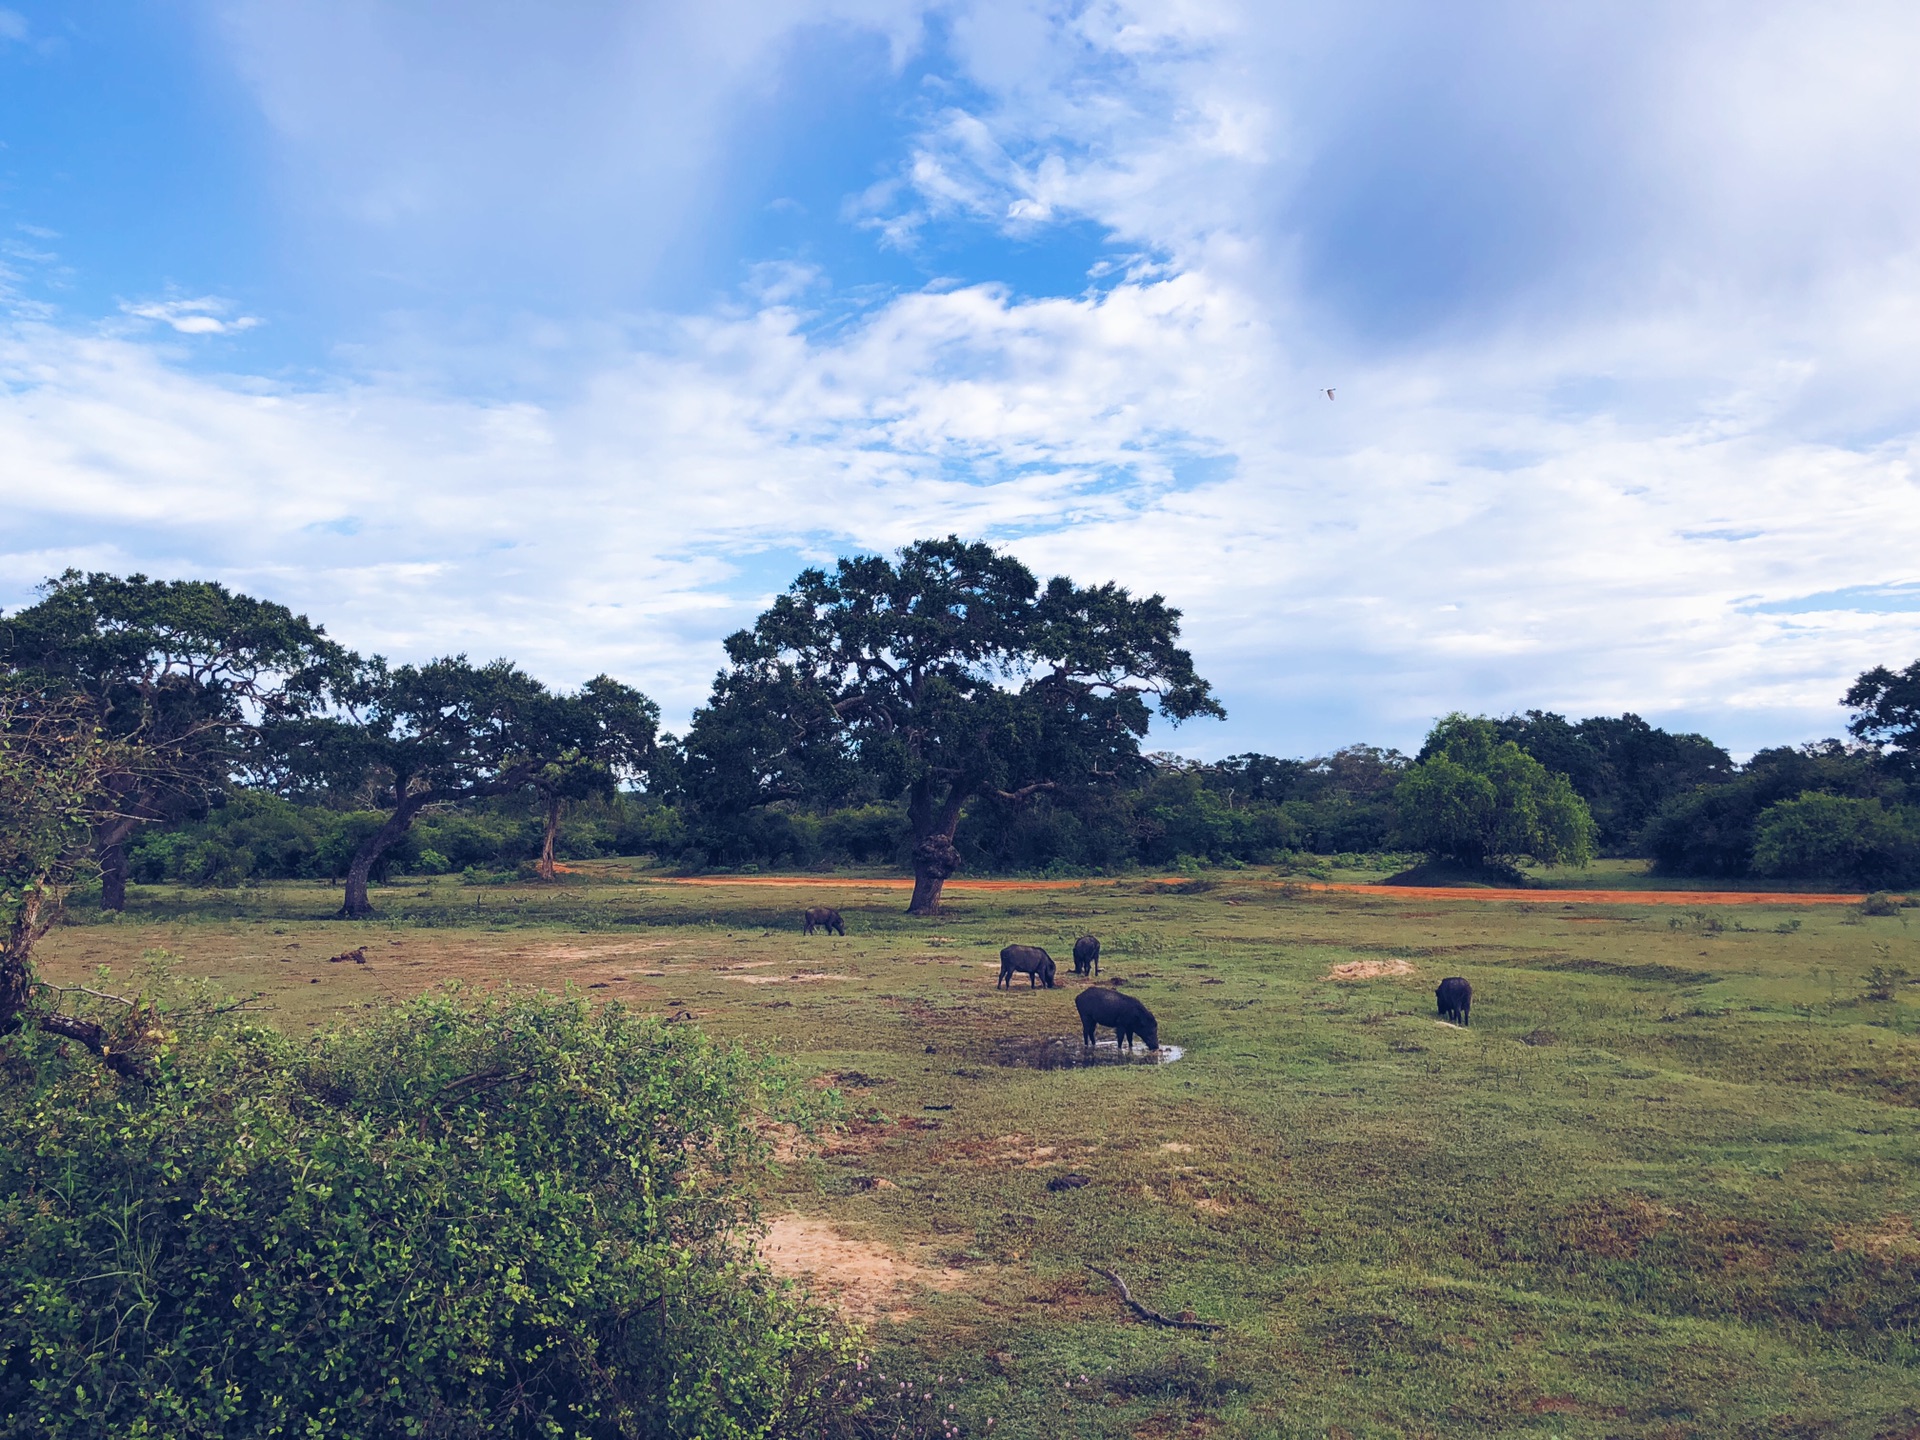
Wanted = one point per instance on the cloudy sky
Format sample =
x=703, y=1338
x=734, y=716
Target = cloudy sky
x=569, y=332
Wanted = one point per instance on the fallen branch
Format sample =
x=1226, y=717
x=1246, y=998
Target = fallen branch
x=1153, y=1316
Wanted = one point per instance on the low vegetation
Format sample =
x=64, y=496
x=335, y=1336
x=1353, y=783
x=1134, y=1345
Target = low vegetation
x=1664, y=1186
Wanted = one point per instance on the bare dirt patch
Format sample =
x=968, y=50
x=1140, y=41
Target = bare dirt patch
x=863, y=1278
x=785, y=979
x=1368, y=969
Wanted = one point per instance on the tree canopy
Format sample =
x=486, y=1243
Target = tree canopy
x=941, y=676
x=1886, y=703
x=446, y=733
x=1475, y=799
x=1624, y=768
x=178, y=666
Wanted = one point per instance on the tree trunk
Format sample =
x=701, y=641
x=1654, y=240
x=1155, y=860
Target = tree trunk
x=113, y=877
x=547, y=872
x=110, y=851
x=356, y=906
x=934, y=859
x=31, y=919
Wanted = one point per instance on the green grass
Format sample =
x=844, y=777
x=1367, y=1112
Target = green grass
x=1662, y=1187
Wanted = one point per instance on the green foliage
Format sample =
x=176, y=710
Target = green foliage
x=1624, y=768
x=945, y=675
x=1837, y=837
x=1712, y=830
x=1886, y=703
x=1474, y=799
x=510, y=1216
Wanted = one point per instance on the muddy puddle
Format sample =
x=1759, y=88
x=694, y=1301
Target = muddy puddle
x=1061, y=1053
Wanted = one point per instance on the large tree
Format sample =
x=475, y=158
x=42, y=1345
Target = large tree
x=176, y=668
x=939, y=677
x=407, y=737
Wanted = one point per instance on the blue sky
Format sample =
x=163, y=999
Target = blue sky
x=570, y=332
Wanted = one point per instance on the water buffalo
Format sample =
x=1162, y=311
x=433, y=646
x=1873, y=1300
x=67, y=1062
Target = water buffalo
x=1086, y=956
x=1455, y=998
x=1125, y=1015
x=822, y=918
x=1029, y=960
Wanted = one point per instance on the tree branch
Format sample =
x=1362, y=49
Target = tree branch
x=97, y=1039
x=1025, y=790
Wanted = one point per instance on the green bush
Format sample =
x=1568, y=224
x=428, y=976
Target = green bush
x=469, y=1217
x=1474, y=798
x=1836, y=837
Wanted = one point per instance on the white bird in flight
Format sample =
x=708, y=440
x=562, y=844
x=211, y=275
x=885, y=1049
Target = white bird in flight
x=1327, y=393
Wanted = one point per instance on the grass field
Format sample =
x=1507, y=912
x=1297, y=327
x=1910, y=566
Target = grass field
x=1664, y=1186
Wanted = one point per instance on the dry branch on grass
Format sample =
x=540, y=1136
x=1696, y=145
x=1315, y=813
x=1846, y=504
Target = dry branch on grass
x=1184, y=1321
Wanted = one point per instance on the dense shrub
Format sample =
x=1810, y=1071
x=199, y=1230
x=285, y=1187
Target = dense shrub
x=499, y=1217
x=1712, y=831
x=1837, y=837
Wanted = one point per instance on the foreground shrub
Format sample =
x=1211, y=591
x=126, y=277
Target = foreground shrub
x=468, y=1217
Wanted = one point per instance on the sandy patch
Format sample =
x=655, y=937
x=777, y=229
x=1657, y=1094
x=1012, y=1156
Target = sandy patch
x=1176, y=1147
x=1213, y=1207
x=593, y=952
x=1368, y=969
x=785, y=979
x=865, y=1279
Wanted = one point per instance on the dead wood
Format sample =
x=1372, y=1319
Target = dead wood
x=1153, y=1316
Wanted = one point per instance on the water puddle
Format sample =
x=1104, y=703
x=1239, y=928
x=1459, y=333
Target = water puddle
x=1057, y=1052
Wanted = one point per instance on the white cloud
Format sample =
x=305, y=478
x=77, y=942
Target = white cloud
x=1437, y=537
x=1651, y=383
x=13, y=25
x=205, y=316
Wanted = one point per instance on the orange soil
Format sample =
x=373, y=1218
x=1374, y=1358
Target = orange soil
x=1390, y=892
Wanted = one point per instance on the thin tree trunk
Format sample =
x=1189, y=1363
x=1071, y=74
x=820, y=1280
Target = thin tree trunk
x=546, y=868
x=355, y=905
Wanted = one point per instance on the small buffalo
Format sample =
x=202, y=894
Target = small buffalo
x=1455, y=999
x=1126, y=1016
x=1086, y=956
x=1029, y=960
x=821, y=918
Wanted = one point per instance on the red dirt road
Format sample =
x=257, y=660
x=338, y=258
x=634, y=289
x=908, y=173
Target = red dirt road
x=1386, y=892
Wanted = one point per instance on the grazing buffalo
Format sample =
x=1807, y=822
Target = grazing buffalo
x=1029, y=960
x=1126, y=1016
x=821, y=918
x=1455, y=999
x=1086, y=956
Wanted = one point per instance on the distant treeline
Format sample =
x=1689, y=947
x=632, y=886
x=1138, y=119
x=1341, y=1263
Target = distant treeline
x=1828, y=812
x=939, y=711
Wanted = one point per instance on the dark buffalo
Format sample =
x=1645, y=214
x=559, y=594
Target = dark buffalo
x=1455, y=998
x=821, y=918
x=1123, y=1014
x=1029, y=960
x=1086, y=956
